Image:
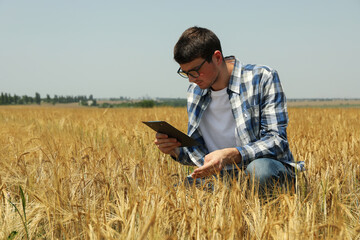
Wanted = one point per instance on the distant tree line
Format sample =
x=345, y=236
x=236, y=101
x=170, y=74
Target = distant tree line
x=125, y=102
x=8, y=99
x=147, y=103
x=130, y=104
x=172, y=102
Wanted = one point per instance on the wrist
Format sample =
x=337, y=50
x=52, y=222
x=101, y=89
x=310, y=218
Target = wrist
x=232, y=156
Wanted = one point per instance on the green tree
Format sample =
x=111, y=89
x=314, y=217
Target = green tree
x=55, y=100
x=25, y=99
x=10, y=99
x=147, y=103
x=6, y=98
x=16, y=99
x=37, y=98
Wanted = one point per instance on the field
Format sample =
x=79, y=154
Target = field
x=89, y=173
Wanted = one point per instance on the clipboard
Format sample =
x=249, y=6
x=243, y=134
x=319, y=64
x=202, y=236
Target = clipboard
x=172, y=132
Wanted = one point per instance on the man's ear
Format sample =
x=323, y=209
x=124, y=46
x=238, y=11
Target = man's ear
x=217, y=57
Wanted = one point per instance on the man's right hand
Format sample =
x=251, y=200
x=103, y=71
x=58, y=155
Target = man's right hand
x=167, y=145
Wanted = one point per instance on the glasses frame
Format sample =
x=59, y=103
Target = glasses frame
x=195, y=69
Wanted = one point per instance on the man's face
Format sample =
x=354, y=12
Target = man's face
x=207, y=72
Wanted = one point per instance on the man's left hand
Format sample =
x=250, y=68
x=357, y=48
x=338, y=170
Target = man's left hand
x=215, y=161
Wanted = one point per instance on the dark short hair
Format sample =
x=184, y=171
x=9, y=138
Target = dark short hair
x=196, y=42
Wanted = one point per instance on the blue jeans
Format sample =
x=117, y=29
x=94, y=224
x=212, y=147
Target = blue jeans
x=269, y=173
x=265, y=174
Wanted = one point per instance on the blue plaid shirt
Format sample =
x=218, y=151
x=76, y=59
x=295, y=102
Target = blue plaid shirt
x=259, y=107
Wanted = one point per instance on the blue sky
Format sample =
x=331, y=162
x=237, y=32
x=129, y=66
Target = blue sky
x=124, y=48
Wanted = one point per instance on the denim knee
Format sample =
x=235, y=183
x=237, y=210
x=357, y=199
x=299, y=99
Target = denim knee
x=269, y=172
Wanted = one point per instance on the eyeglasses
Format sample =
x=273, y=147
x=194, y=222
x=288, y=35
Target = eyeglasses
x=193, y=72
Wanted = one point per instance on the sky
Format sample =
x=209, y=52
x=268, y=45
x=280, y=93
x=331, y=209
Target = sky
x=125, y=48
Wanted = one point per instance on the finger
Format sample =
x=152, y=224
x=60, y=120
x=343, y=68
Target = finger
x=205, y=170
x=201, y=172
x=198, y=170
x=159, y=141
x=168, y=148
x=168, y=145
x=161, y=135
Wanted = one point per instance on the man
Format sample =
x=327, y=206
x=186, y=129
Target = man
x=236, y=112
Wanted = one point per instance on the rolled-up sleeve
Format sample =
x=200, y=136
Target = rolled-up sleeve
x=272, y=137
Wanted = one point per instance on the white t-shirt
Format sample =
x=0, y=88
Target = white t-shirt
x=217, y=125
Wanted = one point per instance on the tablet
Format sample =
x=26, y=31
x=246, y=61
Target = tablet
x=172, y=132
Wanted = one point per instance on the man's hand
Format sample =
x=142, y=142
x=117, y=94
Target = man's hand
x=167, y=145
x=215, y=161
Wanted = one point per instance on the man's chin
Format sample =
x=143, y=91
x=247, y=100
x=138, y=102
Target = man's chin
x=202, y=86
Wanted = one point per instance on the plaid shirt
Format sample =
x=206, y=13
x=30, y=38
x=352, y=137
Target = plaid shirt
x=259, y=107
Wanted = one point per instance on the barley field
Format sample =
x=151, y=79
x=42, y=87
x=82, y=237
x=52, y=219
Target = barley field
x=88, y=173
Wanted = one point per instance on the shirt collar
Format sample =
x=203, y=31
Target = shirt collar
x=235, y=77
